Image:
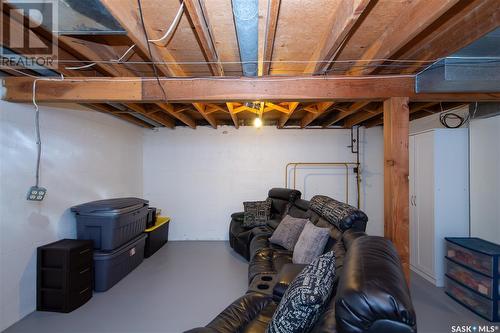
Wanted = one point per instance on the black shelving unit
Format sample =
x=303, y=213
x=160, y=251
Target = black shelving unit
x=473, y=275
x=64, y=275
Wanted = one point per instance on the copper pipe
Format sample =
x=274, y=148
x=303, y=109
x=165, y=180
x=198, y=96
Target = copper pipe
x=345, y=164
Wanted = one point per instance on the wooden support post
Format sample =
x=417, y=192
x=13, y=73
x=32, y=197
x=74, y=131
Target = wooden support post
x=396, y=170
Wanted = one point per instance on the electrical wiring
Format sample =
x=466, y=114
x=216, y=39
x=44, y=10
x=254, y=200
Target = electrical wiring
x=38, y=136
x=165, y=39
x=124, y=54
x=149, y=49
x=81, y=67
x=93, y=63
x=444, y=117
x=245, y=62
x=215, y=78
x=37, y=129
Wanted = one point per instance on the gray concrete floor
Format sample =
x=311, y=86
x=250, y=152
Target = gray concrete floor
x=436, y=311
x=186, y=284
x=183, y=285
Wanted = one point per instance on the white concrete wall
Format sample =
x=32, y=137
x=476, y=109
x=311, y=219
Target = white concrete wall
x=485, y=178
x=86, y=156
x=199, y=177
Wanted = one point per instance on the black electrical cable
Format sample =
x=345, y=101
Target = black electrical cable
x=149, y=50
x=444, y=118
x=462, y=120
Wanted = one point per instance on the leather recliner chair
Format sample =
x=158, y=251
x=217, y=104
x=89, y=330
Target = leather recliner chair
x=240, y=237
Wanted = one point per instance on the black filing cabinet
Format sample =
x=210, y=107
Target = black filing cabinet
x=64, y=275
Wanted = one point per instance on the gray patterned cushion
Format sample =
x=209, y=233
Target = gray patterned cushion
x=256, y=213
x=311, y=244
x=302, y=302
x=337, y=213
x=288, y=231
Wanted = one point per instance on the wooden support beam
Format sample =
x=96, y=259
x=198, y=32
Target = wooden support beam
x=169, y=108
x=416, y=108
x=310, y=117
x=414, y=20
x=234, y=117
x=284, y=118
x=360, y=117
x=355, y=107
x=208, y=117
x=271, y=25
x=342, y=25
x=242, y=108
x=108, y=109
x=199, y=21
x=180, y=90
x=153, y=116
x=396, y=172
x=374, y=122
x=277, y=107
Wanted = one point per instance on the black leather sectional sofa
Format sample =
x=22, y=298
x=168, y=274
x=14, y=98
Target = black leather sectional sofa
x=370, y=291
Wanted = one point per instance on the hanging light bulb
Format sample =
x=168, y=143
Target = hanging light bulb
x=257, y=123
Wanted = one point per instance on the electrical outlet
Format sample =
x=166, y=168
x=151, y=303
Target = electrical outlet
x=36, y=193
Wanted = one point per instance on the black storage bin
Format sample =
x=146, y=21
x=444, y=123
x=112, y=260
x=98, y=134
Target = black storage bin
x=111, y=267
x=151, y=217
x=157, y=236
x=111, y=223
x=64, y=275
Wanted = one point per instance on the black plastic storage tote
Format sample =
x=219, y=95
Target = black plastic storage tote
x=111, y=267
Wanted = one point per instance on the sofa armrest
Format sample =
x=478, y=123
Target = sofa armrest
x=238, y=216
x=202, y=330
x=273, y=223
x=372, y=290
x=237, y=315
x=286, y=275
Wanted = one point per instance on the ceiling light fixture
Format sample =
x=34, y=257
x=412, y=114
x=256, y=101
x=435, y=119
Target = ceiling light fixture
x=257, y=123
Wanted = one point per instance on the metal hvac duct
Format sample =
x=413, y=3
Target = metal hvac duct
x=475, y=68
x=246, y=20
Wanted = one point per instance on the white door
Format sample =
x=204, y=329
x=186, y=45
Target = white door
x=424, y=201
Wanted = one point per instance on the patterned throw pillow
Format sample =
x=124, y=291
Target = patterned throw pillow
x=311, y=244
x=288, y=231
x=302, y=302
x=336, y=213
x=256, y=213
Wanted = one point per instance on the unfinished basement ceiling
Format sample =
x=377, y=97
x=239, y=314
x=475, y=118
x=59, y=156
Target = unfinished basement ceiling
x=295, y=38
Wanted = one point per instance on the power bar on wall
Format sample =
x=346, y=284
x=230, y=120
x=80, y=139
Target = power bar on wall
x=36, y=193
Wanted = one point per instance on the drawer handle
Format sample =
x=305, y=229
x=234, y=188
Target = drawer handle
x=84, y=251
x=85, y=270
x=84, y=290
